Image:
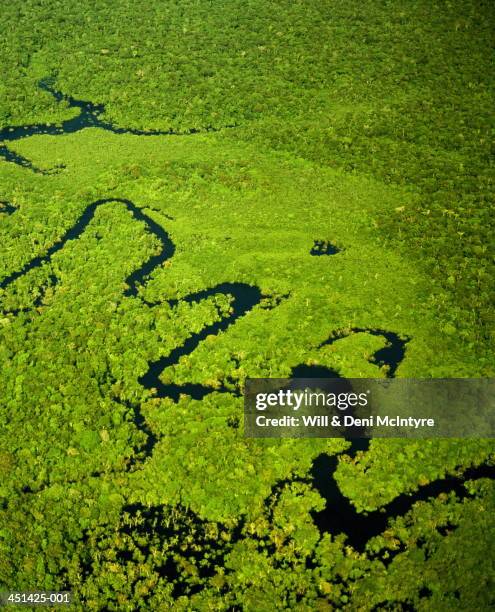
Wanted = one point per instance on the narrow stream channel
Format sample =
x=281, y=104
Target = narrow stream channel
x=90, y=116
x=339, y=516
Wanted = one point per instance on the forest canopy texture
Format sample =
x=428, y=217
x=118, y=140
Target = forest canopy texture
x=196, y=192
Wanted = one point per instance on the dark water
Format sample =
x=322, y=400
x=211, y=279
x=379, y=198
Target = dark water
x=78, y=228
x=339, y=516
x=19, y=160
x=7, y=208
x=322, y=247
x=391, y=355
x=245, y=298
x=90, y=116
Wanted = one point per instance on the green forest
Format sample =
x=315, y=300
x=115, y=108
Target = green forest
x=193, y=193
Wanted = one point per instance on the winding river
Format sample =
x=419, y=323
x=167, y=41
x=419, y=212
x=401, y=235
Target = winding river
x=244, y=298
x=339, y=516
x=90, y=116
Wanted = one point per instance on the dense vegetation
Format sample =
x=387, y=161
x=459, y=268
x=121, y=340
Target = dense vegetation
x=364, y=125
